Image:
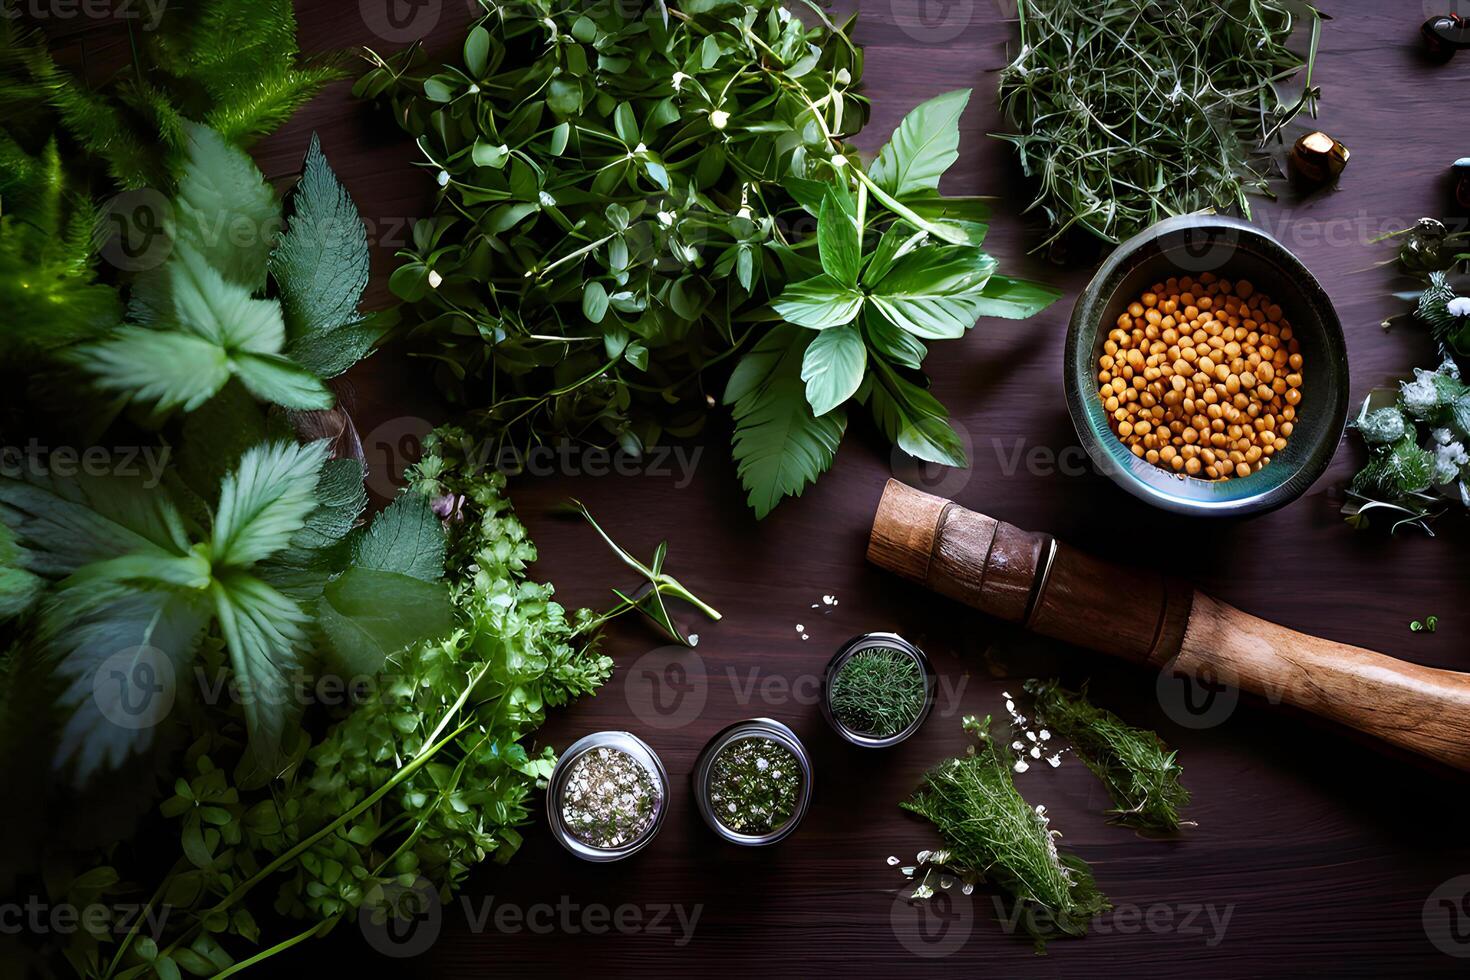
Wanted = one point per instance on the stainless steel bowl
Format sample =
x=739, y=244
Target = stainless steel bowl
x=877, y=641
x=640, y=752
x=1233, y=249
x=752, y=728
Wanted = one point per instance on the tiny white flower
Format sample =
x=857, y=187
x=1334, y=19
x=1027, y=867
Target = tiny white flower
x=1022, y=765
x=745, y=213
x=474, y=88
x=679, y=79
x=666, y=219
x=547, y=201
x=444, y=178
x=641, y=148
x=434, y=279
x=1460, y=306
x=719, y=118
x=838, y=161
x=843, y=76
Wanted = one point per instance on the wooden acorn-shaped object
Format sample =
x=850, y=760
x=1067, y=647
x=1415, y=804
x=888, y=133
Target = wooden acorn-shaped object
x=1318, y=158
x=1144, y=616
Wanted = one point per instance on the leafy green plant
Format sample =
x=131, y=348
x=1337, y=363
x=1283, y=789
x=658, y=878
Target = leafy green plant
x=421, y=780
x=1139, y=771
x=990, y=830
x=1418, y=433
x=628, y=204
x=1127, y=112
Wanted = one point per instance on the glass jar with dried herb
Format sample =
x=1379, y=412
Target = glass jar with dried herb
x=753, y=782
x=607, y=796
x=878, y=690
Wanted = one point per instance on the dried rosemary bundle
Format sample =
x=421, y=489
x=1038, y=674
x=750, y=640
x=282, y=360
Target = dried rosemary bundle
x=1130, y=111
x=1140, y=772
x=990, y=829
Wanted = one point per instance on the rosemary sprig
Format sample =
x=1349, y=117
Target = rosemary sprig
x=1129, y=111
x=1140, y=772
x=990, y=829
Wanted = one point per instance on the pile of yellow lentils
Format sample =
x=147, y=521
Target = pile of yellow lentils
x=1202, y=377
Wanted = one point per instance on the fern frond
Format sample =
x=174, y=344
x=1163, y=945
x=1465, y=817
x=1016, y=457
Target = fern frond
x=255, y=110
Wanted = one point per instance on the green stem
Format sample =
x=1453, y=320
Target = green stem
x=281, y=946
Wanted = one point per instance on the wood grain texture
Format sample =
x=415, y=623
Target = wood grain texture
x=1322, y=851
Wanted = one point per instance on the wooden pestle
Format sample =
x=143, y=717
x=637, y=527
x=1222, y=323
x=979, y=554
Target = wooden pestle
x=1140, y=615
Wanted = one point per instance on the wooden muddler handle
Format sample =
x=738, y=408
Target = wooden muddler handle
x=1140, y=615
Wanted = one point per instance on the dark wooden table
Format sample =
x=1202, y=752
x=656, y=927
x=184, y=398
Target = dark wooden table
x=1314, y=852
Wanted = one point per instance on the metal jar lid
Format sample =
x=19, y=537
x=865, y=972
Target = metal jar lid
x=753, y=728
x=877, y=641
x=640, y=752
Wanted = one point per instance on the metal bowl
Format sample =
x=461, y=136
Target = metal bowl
x=752, y=728
x=1232, y=249
x=877, y=641
x=624, y=742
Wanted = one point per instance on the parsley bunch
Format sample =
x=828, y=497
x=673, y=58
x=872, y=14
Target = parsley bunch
x=635, y=195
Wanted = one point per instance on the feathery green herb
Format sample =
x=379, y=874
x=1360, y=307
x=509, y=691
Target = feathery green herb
x=636, y=196
x=1138, y=770
x=989, y=829
x=878, y=692
x=1130, y=111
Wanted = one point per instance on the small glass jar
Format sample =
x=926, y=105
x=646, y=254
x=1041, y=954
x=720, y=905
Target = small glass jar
x=730, y=739
x=633, y=748
x=875, y=642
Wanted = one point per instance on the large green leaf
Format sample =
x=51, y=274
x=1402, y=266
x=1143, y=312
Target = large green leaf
x=934, y=293
x=18, y=587
x=1014, y=299
x=819, y=303
x=925, y=145
x=122, y=653
x=368, y=615
x=280, y=380
x=163, y=368
x=833, y=367
x=321, y=267
x=264, y=632
x=837, y=242
x=779, y=445
x=265, y=501
x=225, y=209
x=915, y=421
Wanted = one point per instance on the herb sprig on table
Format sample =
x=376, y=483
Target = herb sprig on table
x=1128, y=111
x=628, y=205
x=990, y=830
x=1140, y=772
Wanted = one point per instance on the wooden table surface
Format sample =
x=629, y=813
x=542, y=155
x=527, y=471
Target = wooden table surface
x=1313, y=851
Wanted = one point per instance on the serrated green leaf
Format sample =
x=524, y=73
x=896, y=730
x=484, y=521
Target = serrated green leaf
x=163, y=368
x=369, y=614
x=265, y=501
x=924, y=146
x=225, y=210
x=833, y=367
x=264, y=632
x=280, y=380
x=407, y=538
x=779, y=446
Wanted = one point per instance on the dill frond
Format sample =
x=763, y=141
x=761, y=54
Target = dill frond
x=1139, y=771
x=878, y=692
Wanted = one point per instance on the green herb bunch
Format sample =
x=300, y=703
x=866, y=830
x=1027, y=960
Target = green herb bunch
x=68, y=145
x=1140, y=772
x=629, y=199
x=1130, y=111
x=989, y=829
x=422, y=778
x=878, y=692
x=1418, y=433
